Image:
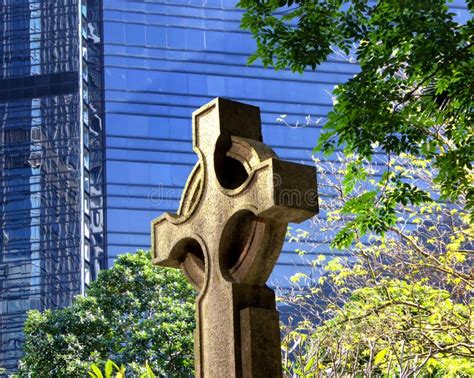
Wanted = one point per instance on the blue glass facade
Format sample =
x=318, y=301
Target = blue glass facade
x=50, y=148
x=162, y=61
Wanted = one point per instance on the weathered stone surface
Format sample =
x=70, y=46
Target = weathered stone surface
x=260, y=341
x=227, y=236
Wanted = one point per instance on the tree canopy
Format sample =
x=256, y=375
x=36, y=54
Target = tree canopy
x=135, y=314
x=413, y=93
x=394, y=306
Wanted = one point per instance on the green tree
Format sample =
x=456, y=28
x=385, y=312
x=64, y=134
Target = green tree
x=413, y=94
x=398, y=202
x=400, y=305
x=135, y=314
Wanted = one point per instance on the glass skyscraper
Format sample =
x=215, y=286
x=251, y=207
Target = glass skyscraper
x=95, y=132
x=51, y=152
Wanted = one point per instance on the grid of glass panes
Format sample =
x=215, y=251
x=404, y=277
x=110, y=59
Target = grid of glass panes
x=39, y=161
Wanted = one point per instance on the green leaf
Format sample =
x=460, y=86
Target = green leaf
x=380, y=356
x=309, y=365
x=149, y=371
x=109, y=367
x=97, y=371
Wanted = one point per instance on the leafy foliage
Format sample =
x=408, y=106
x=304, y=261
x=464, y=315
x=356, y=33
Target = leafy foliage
x=413, y=94
x=109, y=369
x=400, y=305
x=394, y=329
x=135, y=314
x=120, y=372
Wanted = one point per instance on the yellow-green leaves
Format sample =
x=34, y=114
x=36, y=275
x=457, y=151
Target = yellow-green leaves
x=112, y=370
x=380, y=356
x=387, y=306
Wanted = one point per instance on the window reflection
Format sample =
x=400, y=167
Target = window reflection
x=87, y=251
x=86, y=204
x=86, y=182
x=86, y=159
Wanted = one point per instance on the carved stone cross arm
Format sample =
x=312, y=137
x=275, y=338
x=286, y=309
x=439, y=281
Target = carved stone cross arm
x=227, y=236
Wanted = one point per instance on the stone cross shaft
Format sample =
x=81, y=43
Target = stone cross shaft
x=227, y=236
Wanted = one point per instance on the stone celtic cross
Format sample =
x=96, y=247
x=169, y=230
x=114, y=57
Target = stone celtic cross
x=227, y=236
